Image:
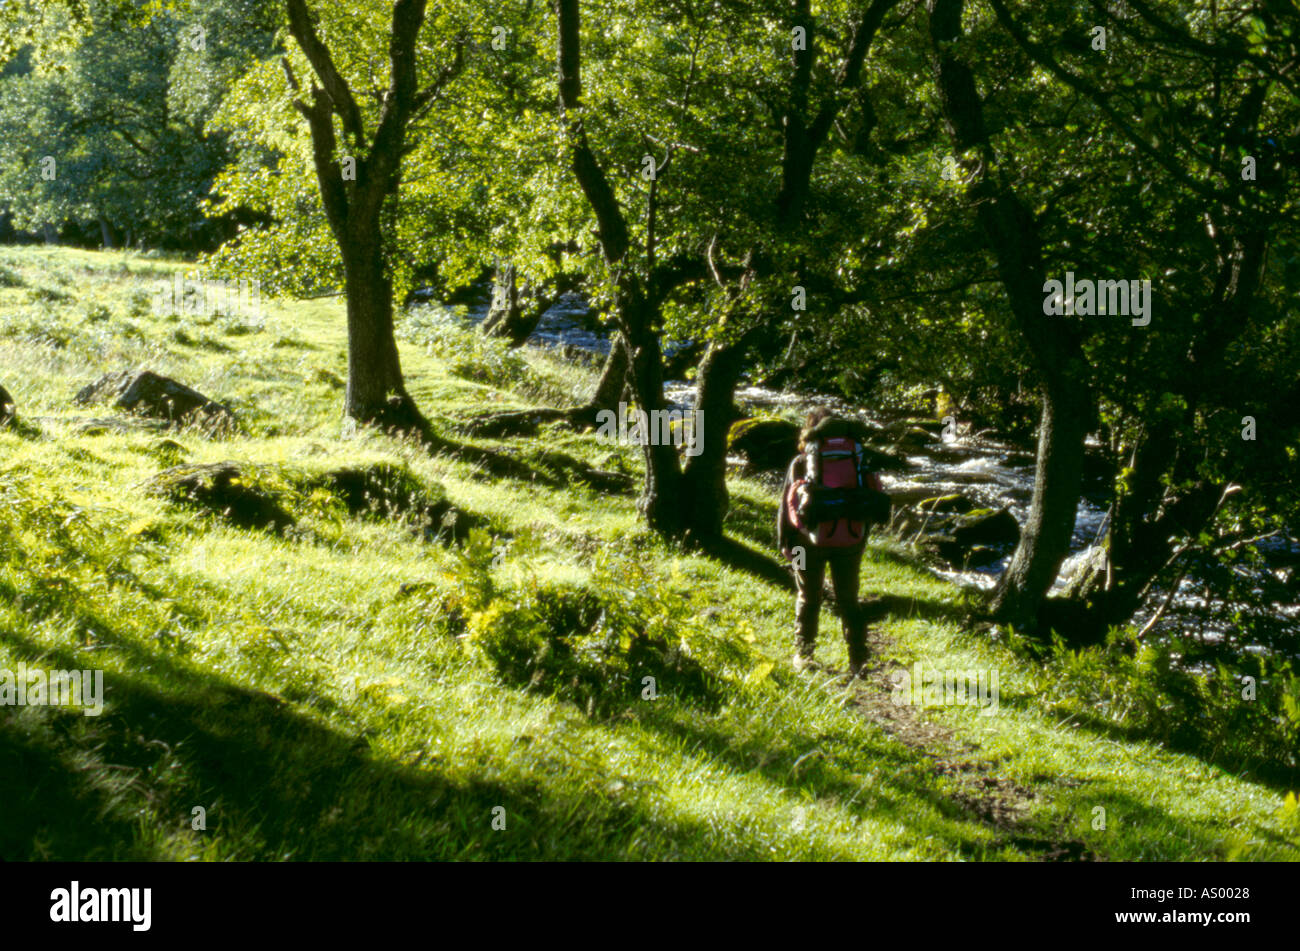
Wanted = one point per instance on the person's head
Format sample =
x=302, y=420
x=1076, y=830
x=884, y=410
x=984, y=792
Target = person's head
x=810, y=423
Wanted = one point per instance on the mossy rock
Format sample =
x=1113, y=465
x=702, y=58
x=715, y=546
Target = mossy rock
x=987, y=527
x=149, y=394
x=227, y=490
x=385, y=490
x=766, y=442
x=881, y=460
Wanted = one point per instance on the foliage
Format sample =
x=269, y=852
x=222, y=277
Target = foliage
x=623, y=635
x=103, y=126
x=1241, y=710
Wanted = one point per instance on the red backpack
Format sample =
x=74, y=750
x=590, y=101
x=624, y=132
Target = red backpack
x=837, y=499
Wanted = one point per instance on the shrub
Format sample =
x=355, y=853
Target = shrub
x=601, y=645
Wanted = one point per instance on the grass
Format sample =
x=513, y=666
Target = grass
x=349, y=690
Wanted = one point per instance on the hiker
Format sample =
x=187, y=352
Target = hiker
x=828, y=503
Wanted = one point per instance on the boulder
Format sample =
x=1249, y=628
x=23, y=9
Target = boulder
x=907, y=495
x=146, y=393
x=1085, y=572
x=962, y=556
x=766, y=442
x=913, y=439
x=986, y=527
x=982, y=556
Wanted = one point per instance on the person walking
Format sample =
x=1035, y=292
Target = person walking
x=828, y=503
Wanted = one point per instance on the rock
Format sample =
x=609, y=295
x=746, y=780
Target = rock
x=1017, y=459
x=969, y=477
x=954, y=503
x=1085, y=572
x=766, y=442
x=385, y=490
x=947, y=453
x=7, y=409
x=146, y=393
x=224, y=489
x=963, y=557
x=986, y=527
x=907, y=522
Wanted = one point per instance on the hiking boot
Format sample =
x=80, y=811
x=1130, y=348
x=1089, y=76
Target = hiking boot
x=859, y=654
x=803, y=655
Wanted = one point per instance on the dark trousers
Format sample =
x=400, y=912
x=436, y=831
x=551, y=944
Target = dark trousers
x=845, y=565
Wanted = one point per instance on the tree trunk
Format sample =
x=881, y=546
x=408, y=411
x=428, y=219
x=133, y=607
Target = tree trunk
x=506, y=316
x=1045, y=537
x=1147, y=522
x=635, y=307
x=660, y=500
x=613, y=378
x=375, y=391
x=704, y=481
x=105, y=233
x=1012, y=234
x=353, y=204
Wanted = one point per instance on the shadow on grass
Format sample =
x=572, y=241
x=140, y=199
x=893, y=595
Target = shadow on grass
x=1277, y=776
x=901, y=788
x=277, y=783
x=754, y=521
x=547, y=467
x=879, y=607
x=280, y=785
x=736, y=554
x=1212, y=839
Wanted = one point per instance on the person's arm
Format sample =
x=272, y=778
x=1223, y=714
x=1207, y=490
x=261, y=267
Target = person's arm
x=784, y=527
x=780, y=517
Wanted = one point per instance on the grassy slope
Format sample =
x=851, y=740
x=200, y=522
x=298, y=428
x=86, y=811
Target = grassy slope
x=284, y=686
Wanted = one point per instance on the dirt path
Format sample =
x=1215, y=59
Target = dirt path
x=996, y=800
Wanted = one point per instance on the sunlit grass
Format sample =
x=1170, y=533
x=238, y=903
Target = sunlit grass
x=285, y=685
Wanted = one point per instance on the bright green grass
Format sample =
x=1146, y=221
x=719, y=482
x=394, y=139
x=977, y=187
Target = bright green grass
x=285, y=687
